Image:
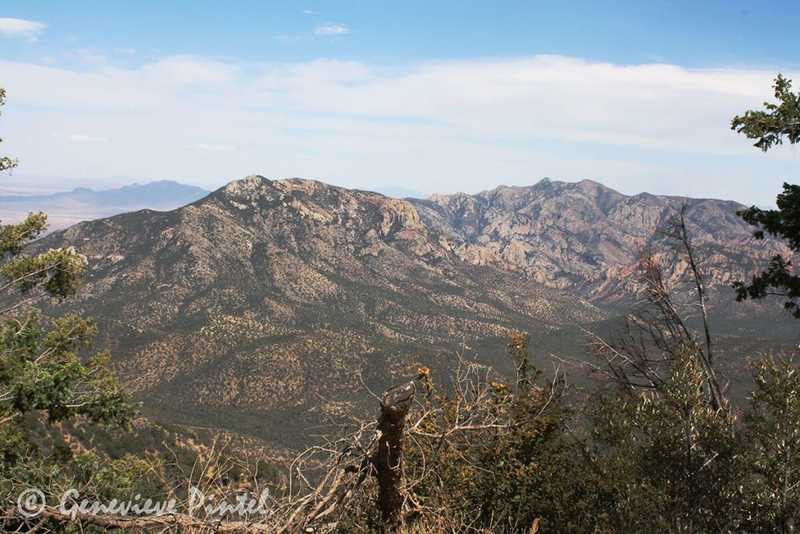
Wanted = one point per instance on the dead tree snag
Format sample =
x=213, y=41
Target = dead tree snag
x=388, y=459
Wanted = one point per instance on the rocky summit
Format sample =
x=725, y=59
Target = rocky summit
x=586, y=237
x=269, y=306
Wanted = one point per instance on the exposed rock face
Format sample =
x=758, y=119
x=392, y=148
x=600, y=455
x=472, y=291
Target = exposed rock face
x=261, y=307
x=586, y=237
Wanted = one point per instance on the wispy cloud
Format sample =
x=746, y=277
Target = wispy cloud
x=331, y=29
x=309, y=12
x=191, y=70
x=469, y=124
x=205, y=147
x=21, y=28
x=84, y=138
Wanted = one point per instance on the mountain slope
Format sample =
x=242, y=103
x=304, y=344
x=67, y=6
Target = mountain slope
x=587, y=238
x=266, y=300
x=265, y=307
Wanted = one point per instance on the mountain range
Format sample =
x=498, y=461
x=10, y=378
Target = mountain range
x=67, y=208
x=586, y=237
x=271, y=306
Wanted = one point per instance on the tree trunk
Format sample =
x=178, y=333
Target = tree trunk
x=388, y=460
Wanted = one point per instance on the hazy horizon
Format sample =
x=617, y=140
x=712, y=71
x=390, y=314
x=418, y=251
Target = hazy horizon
x=16, y=185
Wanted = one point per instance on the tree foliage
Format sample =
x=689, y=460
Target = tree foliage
x=6, y=163
x=776, y=122
x=770, y=127
x=46, y=375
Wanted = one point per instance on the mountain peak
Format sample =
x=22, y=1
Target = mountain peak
x=246, y=186
x=270, y=294
x=301, y=205
x=591, y=184
x=256, y=184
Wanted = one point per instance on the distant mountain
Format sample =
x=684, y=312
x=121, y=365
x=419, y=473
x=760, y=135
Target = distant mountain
x=261, y=307
x=398, y=192
x=587, y=238
x=81, y=204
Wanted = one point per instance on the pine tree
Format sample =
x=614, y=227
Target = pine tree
x=45, y=374
x=770, y=127
x=5, y=163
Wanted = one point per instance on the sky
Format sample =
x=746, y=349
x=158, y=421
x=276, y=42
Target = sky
x=422, y=97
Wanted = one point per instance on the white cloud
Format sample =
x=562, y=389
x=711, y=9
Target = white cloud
x=189, y=70
x=212, y=147
x=309, y=12
x=83, y=138
x=21, y=28
x=444, y=126
x=331, y=29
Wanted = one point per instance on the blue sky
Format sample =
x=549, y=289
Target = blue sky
x=688, y=33
x=429, y=96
